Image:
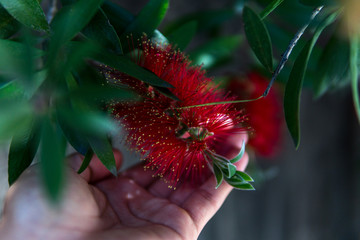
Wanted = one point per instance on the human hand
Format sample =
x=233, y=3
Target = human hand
x=96, y=205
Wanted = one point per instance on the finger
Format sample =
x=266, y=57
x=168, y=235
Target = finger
x=142, y=175
x=203, y=202
x=231, y=146
x=96, y=170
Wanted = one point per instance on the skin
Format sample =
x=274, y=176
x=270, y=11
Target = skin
x=95, y=205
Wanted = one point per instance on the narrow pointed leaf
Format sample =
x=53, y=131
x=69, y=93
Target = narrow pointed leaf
x=76, y=138
x=101, y=30
x=148, y=19
x=183, y=35
x=27, y=12
x=125, y=65
x=242, y=186
x=355, y=74
x=240, y=155
x=103, y=149
x=22, y=151
x=219, y=176
x=52, y=160
x=333, y=65
x=294, y=85
x=271, y=7
x=88, y=156
x=119, y=17
x=245, y=176
x=258, y=38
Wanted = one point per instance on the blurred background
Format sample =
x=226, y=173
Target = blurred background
x=311, y=193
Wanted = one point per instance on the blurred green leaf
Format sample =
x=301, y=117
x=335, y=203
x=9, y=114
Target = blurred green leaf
x=125, y=65
x=13, y=56
x=103, y=150
x=75, y=17
x=219, y=176
x=52, y=160
x=119, y=17
x=8, y=24
x=294, y=85
x=354, y=57
x=183, y=35
x=213, y=52
x=258, y=38
x=101, y=30
x=11, y=90
x=22, y=151
x=15, y=117
x=205, y=19
x=333, y=66
x=86, y=121
x=27, y=12
x=271, y=7
x=99, y=94
x=88, y=156
x=76, y=138
x=146, y=21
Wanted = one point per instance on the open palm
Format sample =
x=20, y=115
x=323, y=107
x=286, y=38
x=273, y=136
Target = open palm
x=134, y=205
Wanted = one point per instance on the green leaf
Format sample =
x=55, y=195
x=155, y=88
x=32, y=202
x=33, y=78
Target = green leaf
x=86, y=161
x=182, y=35
x=8, y=24
x=215, y=51
x=75, y=17
x=240, y=155
x=125, y=65
x=119, y=17
x=242, y=186
x=258, y=38
x=101, y=30
x=231, y=170
x=166, y=92
x=245, y=176
x=295, y=82
x=11, y=90
x=15, y=117
x=219, y=176
x=76, y=138
x=147, y=20
x=52, y=160
x=13, y=55
x=271, y=7
x=27, y=12
x=239, y=181
x=22, y=151
x=333, y=66
x=103, y=149
x=354, y=56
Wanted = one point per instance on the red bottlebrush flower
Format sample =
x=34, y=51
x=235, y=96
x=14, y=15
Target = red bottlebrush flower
x=171, y=137
x=264, y=114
